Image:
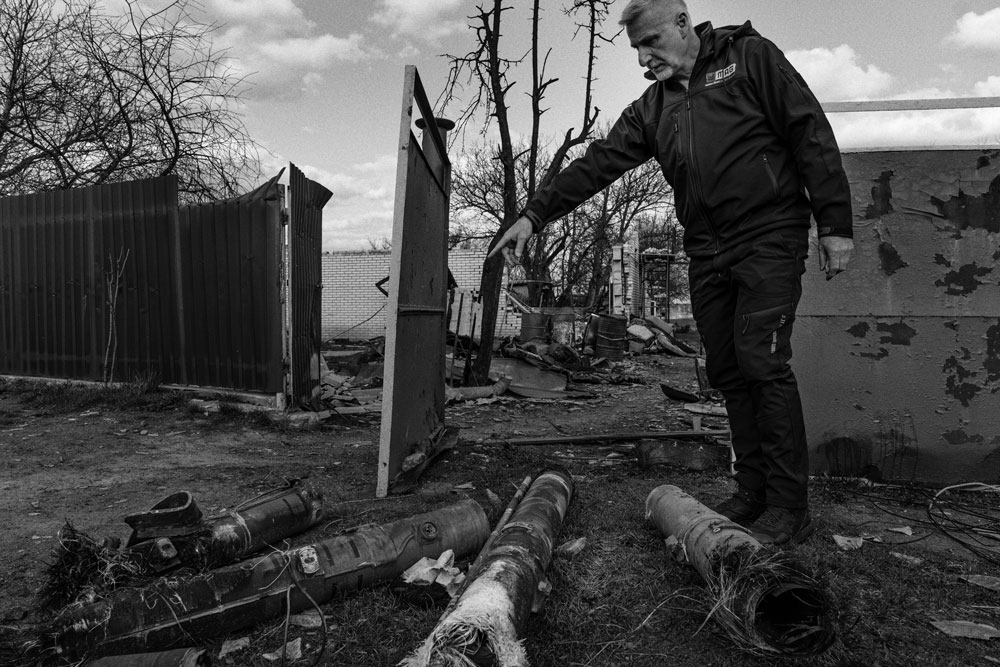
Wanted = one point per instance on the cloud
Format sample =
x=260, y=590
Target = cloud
x=977, y=31
x=279, y=50
x=929, y=128
x=346, y=229
x=313, y=52
x=266, y=16
x=836, y=75
x=959, y=127
x=360, y=211
x=425, y=19
x=289, y=66
x=924, y=94
x=988, y=88
x=385, y=165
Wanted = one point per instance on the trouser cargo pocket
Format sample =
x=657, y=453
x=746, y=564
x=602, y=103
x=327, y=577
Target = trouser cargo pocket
x=764, y=345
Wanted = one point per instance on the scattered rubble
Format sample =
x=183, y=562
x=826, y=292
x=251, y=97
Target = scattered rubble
x=552, y=363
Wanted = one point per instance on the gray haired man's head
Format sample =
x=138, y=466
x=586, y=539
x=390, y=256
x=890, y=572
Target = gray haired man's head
x=636, y=8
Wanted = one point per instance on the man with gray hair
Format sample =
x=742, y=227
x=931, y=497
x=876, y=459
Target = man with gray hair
x=750, y=156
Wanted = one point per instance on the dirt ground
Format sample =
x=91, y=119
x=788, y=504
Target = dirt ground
x=94, y=466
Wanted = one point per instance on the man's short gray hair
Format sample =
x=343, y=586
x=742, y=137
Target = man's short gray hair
x=636, y=8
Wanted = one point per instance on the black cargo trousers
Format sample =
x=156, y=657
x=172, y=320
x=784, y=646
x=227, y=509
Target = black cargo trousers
x=744, y=302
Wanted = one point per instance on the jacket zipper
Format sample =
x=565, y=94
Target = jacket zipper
x=695, y=179
x=770, y=175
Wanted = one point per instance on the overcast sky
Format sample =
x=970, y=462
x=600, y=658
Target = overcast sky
x=328, y=76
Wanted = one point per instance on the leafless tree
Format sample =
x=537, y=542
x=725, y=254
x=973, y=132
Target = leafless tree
x=87, y=98
x=576, y=252
x=489, y=74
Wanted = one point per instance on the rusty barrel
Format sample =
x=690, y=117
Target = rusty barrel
x=610, y=342
x=535, y=325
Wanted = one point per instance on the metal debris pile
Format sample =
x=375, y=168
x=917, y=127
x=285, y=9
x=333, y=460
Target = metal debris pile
x=200, y=580
x=195, y=579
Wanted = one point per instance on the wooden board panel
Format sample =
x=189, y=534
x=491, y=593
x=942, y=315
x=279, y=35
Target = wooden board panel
x=413, y=393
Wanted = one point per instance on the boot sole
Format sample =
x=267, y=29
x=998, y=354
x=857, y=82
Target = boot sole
x=803, y=534
x=800, y=536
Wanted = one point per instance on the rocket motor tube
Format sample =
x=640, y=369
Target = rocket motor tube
x=767, y=600
x=266, y=520
x=704, y=535
x=486, y=622
x=182, y=657
x=173, y=611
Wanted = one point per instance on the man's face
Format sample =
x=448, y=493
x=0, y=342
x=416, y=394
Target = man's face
x=660, y=36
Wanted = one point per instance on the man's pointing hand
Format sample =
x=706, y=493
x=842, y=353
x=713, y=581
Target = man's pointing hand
x=511, y=244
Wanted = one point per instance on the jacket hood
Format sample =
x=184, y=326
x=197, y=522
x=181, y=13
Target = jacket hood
x=713, y=39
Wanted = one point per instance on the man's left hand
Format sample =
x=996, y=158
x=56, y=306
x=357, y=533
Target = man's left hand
x=834, y=254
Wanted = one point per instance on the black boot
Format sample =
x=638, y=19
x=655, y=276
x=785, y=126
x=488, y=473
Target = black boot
x=781, y=525
x=743, y=507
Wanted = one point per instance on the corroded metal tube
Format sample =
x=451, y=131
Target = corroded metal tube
x=705, y=536
x=265, y=520
x=172, y=611
x=765, y=601
x=486, y=623
x=174, y=533
x=182, y=657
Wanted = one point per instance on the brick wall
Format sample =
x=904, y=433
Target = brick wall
x=354, y=308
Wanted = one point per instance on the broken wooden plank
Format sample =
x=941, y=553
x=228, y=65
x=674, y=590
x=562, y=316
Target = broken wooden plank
x=678, y=394
x=690, y=455
x=606, y=437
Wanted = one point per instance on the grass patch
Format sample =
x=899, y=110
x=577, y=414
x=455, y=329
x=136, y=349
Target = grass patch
x=142, y=393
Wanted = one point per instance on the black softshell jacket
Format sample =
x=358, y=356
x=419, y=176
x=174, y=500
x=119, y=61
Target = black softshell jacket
x=741, y=147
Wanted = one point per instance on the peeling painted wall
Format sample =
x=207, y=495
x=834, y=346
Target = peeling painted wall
x=898, y=359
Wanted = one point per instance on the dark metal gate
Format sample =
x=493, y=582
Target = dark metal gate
x=305, y=242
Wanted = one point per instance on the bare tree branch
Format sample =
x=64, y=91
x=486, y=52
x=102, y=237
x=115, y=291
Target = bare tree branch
x=88, y=98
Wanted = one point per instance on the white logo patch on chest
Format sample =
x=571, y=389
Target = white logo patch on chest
x=717, y=76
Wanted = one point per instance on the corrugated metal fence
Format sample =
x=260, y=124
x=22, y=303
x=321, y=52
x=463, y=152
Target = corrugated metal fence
x=230, y=256
x=305, y=237
x=118, y=282
x=60, y=252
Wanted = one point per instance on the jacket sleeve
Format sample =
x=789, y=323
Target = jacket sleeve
x=624, y=148
x=797, y=117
